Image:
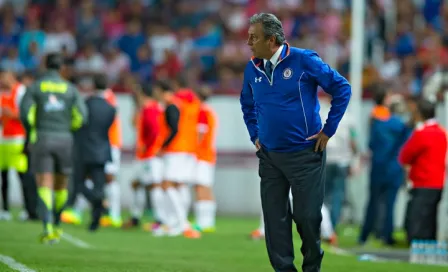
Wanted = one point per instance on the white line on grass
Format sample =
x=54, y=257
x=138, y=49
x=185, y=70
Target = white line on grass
x=13, y=264
x=340, y=251
x=75, y=241
x=343, y=252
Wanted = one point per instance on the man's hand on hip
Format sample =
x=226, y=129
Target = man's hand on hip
x=257, y=144
x=321, y=142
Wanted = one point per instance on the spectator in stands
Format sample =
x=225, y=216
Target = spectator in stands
x=88, y=25
x=9, y=35
x=33, y=33
x=206, y=46
x=161, y=39
x=61, y=12
x=116, y=63
x=32, y=59
x=144, y=68
x=12, y=62
x=425, y=154
x=391, y=66
x=170, y=67
x=59, y=37
x=437, y=83
x=405, y=41
x=131, y=41
x=89, y=64
x=113, y=24
x=185, y=44
x=234, y=53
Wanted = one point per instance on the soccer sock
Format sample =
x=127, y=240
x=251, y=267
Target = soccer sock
x=46, y=196
x=60, y=199
x=5, y=183
x=205, y=213
x=326, y=226
x=185, y=196
x=177, y=207
x=158, y=204
x=81, y=205
x=113, y=195
x=138, y=203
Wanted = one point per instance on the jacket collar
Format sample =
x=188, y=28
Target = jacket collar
x=285, y=52
x=381, y=113
x=52, y=72
x=427, y=123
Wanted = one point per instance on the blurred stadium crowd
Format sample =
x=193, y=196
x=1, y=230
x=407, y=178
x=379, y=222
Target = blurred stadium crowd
x=142, y=40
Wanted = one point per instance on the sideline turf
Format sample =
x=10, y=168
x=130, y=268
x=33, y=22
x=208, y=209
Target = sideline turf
x=115, y=250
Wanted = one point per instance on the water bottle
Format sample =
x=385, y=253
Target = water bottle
x=421, y=252
x=443, y=252
x=414, y=254
x=366, y=257
x=431, y=256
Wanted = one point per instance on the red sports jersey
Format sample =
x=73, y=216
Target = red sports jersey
x=425, y=152
x=207, y=126
x=149, y=138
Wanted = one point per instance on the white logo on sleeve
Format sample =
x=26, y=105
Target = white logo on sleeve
x=287, y=73
x=257, y=79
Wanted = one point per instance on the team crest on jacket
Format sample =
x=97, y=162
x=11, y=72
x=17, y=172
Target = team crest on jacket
x=287, y=73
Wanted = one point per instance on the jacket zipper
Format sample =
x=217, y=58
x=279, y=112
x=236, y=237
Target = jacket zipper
x=271, y=81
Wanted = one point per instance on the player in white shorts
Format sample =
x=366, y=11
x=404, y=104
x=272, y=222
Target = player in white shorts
x=148, y=166
x=178, y=149
x=112, y=190
x=112, y=169
x=205, y=206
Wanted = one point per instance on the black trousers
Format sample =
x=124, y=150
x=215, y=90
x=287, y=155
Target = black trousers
x=75, y=188
x=421, y=214
x=29, y=191
x=96, y=194
x=303, y=173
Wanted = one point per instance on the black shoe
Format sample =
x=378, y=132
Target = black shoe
x=94, y=226
x=97, y=211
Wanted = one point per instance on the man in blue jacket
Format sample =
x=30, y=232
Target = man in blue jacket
x=387, y=135
x=281, y=111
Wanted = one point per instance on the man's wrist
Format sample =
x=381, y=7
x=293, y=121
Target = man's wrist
x=255, y=140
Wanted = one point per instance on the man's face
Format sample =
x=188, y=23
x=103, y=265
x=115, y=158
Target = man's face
x=6, y=79
x=259, y=45
x=27, y=81
x=157, y=93
x=133, y=28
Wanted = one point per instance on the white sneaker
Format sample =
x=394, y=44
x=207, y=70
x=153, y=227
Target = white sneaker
x=23, y=216
x=6, y=216
x=160, y=231
x=174, y=232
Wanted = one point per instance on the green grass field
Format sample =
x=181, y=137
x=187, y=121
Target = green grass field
x=115, y=250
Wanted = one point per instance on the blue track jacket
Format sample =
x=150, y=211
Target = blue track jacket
x=283, y=111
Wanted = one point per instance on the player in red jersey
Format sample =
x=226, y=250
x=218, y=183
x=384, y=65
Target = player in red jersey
x=205, y=206
x=149, y=166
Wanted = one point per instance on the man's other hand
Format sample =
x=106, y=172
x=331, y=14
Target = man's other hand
x=257, y=144
x=321, y=142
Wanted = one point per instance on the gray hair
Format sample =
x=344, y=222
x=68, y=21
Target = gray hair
x=271, y=26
